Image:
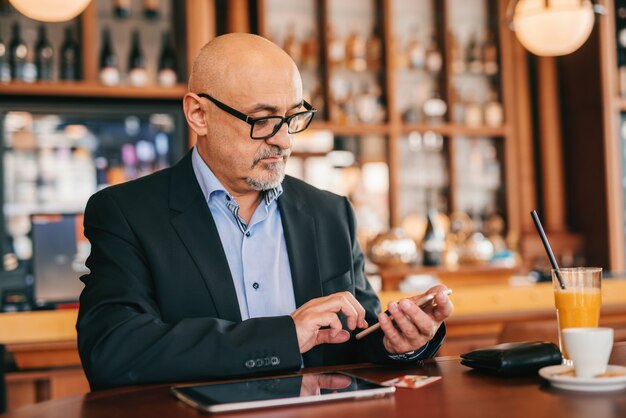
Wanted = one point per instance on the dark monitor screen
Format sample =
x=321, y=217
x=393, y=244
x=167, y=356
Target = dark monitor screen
x=59, y=253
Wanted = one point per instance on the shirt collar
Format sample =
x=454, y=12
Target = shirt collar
x=210, y=184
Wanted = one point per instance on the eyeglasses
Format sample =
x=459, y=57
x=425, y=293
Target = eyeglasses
x=267, y=126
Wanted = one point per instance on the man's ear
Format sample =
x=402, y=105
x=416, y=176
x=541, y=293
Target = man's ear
x=194, y=113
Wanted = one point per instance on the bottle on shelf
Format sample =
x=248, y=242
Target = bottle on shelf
x=151, y=9
x=109, y=71
x=493, y=112
x=457, y=111
x=336, y=49
x=18, y=53
x=415, y=51
x=43, y=55
x=129, y=161
x=356, y=51
x=374, y=49
x=474, y=55
x=102, y=164
x=121, y=9
x=311, y=51
x=434, y=108
x=457, y=52
x=162, y=147
x=167, y=76
x=70, y=57
x=292, y=45
x=490, y=54
x=434, y=242
x=473, y=113
x=5, y=73
x=137, y=74
x=146, y=157
x=434, y=59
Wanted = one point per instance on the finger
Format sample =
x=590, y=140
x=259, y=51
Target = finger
x=432, y=291
x=346, y=303
x=352, y=309
x=331, y=320
x=394, y=342
x=417, y=326
x=406, y=317
x=444, y=307
x=361, y=322
x=325, y=305
x=327, y=336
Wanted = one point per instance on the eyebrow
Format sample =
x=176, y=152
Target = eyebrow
x=273, y=109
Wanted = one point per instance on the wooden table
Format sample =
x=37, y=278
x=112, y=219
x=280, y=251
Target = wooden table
x=461, y=393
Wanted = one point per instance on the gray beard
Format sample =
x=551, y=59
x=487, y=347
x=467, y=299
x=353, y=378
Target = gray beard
x=277, y=176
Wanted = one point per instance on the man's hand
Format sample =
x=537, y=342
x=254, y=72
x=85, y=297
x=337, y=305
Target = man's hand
x=322, y=312
x=414, y=326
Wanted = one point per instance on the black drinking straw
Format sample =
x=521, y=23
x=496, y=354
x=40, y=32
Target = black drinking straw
x=546, y=245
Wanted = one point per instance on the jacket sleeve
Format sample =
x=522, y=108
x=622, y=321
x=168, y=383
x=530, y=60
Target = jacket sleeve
x=122, y=338
x=371, y=348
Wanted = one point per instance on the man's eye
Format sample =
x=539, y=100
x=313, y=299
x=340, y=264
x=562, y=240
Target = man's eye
x=262, y=122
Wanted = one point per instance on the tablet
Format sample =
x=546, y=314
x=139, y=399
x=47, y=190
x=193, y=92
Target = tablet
x=280, y=391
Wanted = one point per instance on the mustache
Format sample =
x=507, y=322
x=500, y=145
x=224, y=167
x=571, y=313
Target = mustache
x=273, y=151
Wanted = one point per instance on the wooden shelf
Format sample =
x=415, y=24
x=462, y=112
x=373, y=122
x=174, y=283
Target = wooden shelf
x=445, y=129
x=92, y=89
x=351, y=129
x=449, y=129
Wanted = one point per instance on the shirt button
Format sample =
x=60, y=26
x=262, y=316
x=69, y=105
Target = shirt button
x=228, y=198
x=248, y=234
x=255, y=285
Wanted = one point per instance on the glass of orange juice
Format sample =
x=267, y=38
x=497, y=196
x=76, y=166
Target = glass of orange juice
x=578, y=304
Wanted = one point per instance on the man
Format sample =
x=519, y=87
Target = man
x=221, y=266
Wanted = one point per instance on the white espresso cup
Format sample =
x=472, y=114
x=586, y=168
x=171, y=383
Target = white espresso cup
x=589, y=349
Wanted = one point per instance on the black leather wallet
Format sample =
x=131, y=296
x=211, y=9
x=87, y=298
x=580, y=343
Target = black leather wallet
x=513, y=358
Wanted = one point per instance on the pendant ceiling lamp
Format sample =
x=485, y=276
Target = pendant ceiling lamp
x=50, y=10
x=552, y=27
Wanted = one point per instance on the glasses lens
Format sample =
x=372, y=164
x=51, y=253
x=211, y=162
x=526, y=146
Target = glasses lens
x=300, y=122
x=266, y=127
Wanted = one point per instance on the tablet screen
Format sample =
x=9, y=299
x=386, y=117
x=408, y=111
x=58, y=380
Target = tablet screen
x=289, y=390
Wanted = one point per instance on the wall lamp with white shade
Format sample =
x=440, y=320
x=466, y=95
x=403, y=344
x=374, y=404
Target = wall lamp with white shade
x=50, y=10
x=553, y=27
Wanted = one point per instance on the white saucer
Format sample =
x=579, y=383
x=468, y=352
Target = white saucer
x=592, y=384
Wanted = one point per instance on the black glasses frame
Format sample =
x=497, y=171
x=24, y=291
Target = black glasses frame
x=252, y=121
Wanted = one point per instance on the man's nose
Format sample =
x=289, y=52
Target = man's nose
x=281, y=139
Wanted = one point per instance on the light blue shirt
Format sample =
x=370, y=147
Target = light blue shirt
x=256, y=252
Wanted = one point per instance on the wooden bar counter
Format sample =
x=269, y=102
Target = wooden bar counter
x=44, y=343
x=460, y=393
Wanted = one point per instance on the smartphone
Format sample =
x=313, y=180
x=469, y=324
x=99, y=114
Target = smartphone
x=422, y=302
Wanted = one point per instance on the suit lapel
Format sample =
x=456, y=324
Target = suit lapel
x=300, y=237
x=194, y=224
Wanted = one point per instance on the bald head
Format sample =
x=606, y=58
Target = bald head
x=232, y=62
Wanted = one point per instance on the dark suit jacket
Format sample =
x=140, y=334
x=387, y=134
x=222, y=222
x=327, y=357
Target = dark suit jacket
x=159, y=303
